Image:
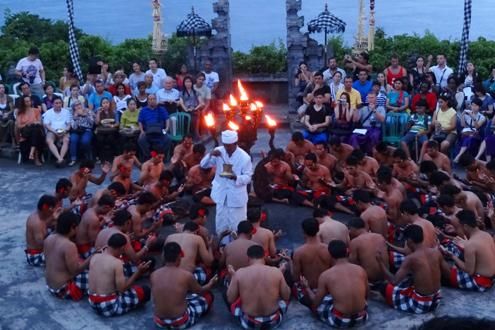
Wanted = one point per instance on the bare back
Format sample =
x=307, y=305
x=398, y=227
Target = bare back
x=236, y=253
x=190, y=245
x=376, y=219
x=364, y=249
x=310, y=260
x=333, y=230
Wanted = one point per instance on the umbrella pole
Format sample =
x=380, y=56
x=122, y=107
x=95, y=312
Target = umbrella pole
x=194, y=55
x=325, y=48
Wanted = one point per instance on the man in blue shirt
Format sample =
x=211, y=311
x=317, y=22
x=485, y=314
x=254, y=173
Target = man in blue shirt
x=94, y=100
x=362, y=85
x=153, y=124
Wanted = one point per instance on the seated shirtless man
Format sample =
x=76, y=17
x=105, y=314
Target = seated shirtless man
x=298, y=148
x=127, y=159
x=258, y=295
x=262, y=236
x=62, y=191
x=37, y=225
x=177, y=162
x=179, y=301
x=194, y=158
x=476, y=271
x=366, y=163
x=92, y=222
x=316, y=178
x=309, y=260
x=355, y=178
x=110, y=292
x=364, y=247
x=439, y=158
x=383, y=153
x=66, y=275
x=415, y=288
x=324, y=157
x=340, y=300
x=123, y=176
x=138, y=211
x=477, y=174
x=341, y=151
x=80, y=179
x=466, y=200
x=405, y=169
x=374, y=217
x=392, y=196
x=197, y=257
x=330, y=229
x=152, y=168
x=198, y=183
x=114, y=189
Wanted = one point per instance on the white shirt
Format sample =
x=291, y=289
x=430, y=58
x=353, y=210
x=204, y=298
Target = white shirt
x=57, y=120
x=134, y=79
x=226, y=191
x=327, y=75
x=121, y=104
x=211, y=79
x=158, y=77
x=441, y=74
x=30, y=70
x=167, y=95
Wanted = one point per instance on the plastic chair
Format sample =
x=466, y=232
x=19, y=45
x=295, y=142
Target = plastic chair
x=16, y=89
x=394, y=127
x=183, y=126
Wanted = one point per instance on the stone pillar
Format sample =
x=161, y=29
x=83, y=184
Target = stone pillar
x=296, y=44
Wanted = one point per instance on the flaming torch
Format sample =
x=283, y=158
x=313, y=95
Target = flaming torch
x=210, y=124
x=272, y=126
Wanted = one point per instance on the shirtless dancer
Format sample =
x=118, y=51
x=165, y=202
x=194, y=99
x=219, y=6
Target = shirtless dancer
x=477, y=173
x=330, y=229
x=197, y=257
x=114, y=189
x=81, y=177
x=62, y=191
x=392, y=196
x=415, y=288
x=66, y=275
x=262, y=236
x=366, y=163
x=340, y=300
x=374, y=217
x=92, y=222
x=258, y=295
x=127, y=159
x=405, y=170
x=177, y=163
x=383, y=153
x=364, y=247
x=341, y=151
x=439, y=158
x=316, y=178
x=152, y=168
x=309, y=260
x=298, y=147
x=198, y=152
x=37, y=229
x=476, y=271
x=138, y=211
x=179, y=301
x=198, y=183
x=324, y=157
x=123, y=176
x=466, y=200
x=110, y=292
x=355, y=178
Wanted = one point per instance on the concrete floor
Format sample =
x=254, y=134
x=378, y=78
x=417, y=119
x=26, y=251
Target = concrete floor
x=26, y=304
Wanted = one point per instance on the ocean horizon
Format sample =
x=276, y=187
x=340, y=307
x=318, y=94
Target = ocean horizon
x=260, y=22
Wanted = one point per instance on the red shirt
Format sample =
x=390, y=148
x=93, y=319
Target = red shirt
x=113, y=90
x=431, y=99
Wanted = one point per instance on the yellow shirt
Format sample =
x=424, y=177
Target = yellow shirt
x=129, y=118
x=445, y=117
x=354, y=95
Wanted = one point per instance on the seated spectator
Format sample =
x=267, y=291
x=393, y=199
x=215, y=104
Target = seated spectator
x=153, y=124
x=453, y=88
x=301, y=80
x=370, y=118
x=418, y=73
x=141, y=96
x=6, y=116
x=57, y=122
x=105, y=75
x=75, y=96
x=425, y=94
x=315, y=85
x=362, y=85
x=107, y=132
x=397, y=98
x=135, y=78
x=66, y=80
x=358, y=64
x=470, y=77
x=118, y=79
x=29, y=129
x=81, y=134
x=486, y=99
x=26, y=91
x=168, y=97
x=489, y=84
x=472, y=122
x=394, y=71
x=94, y=100
x=158, y=74
x=332, y=67
x=192, y=104
x=120, y=100
x=381, y=95
x=344, y=117
x=354, y=95
x=317, y=119
x=336, y=85
x=179, y=77
x=384, y=87
x=419, y=128
x=150, y=87
x=129, y=119
x=48, y=98
x=204, y=93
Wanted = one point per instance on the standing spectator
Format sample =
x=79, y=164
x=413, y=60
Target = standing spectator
x=301, y=80
x=75, y=96
x=49, y=98
x=6, y=116
x=397, y=99
x=361, y=62
x=89, y=86
x=120, y=100
x=417, y=74
x=470, y=77
x=441, y=71
x=317, y=120
x=394, y=71
x=354, y=95
x=119, y=79
x=168, y=96
x=105, y=74
x=81, y=133
x=107, y=131
x=203, y=92
x=362, y=85
x=94, y=100
x=191, y=104
x=425, y=94
x=153, y=124
x=331, y=69
x=212, y=80
x=26, y=91
x=471, y=121
x=158, y=74
x=141, y=96
x=57, y=121
x=179, y=77
x=30, y=69
x=336, y=85
x=136, y=76
x=29, y=129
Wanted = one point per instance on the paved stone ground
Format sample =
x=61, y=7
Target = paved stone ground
x=26, y=304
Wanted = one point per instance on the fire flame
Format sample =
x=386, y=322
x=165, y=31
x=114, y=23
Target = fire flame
x=209, y=120
x=226, y=107
x=242, y=91
x=233, y=126
x=253, y=107
x=270, y=122
x=233, y=101
x=259, y=104
x=248, y=117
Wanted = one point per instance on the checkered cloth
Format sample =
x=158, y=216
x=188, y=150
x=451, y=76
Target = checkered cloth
x=462, y=280
x=125, y=203
x=395, y=260
x=129, y=268
x=465, y=37
x=395, y=233
x=193, y=26
x=83, y=205
x=197, y=306
x=259, y=322
x=452, y=248
x=334, y=318
x=301, y=294
x=118, y=303
x=75, y=289
x=162, y=211
x=403, y=297
x=35, y=257
x=85, y=250
x=73, y=48
x=200, y=275
x=326, y=22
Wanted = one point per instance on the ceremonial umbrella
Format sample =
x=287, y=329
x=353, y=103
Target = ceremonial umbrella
x=327, y=23
x=194, y=26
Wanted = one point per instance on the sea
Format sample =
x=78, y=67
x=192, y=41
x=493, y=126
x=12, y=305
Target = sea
x=260, y=22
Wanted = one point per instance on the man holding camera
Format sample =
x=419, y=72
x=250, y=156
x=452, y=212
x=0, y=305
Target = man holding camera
x=371, y=118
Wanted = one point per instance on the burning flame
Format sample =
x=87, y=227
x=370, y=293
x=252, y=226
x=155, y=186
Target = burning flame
x=233, y=101
x=253, y=107
x=259, y=104
x=270, y=122
x=233, y=126
x=226, y=107
x=209, y=120
x=248, y=117
x=242, y=91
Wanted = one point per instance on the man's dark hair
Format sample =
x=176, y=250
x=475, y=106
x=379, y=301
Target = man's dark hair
x=408, y=206
x=467, y=217
x=427, y=167
x=381, y=147
x=46, y=201
x=191, y=226
x=117, y=241
x=358, y=154
x=245, y=227
x=171, y=252
x=466, y=160
x=63, y=184
x=117, y=187
x=337, y=249
x=255, y=252
x=146, y=198
x=153, y=59
x=319, y=92
x=445, y=200
x=360, y=195
x=335, y=142
x=199, y=148
x=365, y=56
x=356, y=223
x=310, y=227
x=297, y=136
x=399, y=153
x=66, y=221
x=432, y=144
x=311, y=156
x=254, y=214
x=166, y=175
x=33, y=51
x=384, y=174
x=277, y=154
x=450, y=189
x=422, y=103
x=414, y=233
x=87, y=163
x=351, y=161
x=318, y=73
x=438, y=178
x=121, y=217
x=320, y=212
x=196, y=209
x=140, y=84
x=106, y=200
x=128, y=147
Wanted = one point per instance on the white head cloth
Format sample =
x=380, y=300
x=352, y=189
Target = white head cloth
x=229, y=137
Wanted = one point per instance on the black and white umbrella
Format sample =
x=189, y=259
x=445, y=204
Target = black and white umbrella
x=326, y=23
x=194, y=26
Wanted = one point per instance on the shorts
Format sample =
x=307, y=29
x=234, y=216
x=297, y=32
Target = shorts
x=197, y=306
x=259, y=322
x=201, y=274
x=75, y=289
x=118, y=303
x=395, y=260
x=85, y=250
x=301, y=294
x=462, y=280
x=334, y=318
x=411, y=137
x=403, y=297
x=35, y=257
x=450, y=138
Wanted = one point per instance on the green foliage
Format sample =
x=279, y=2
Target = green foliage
x=261, y=59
